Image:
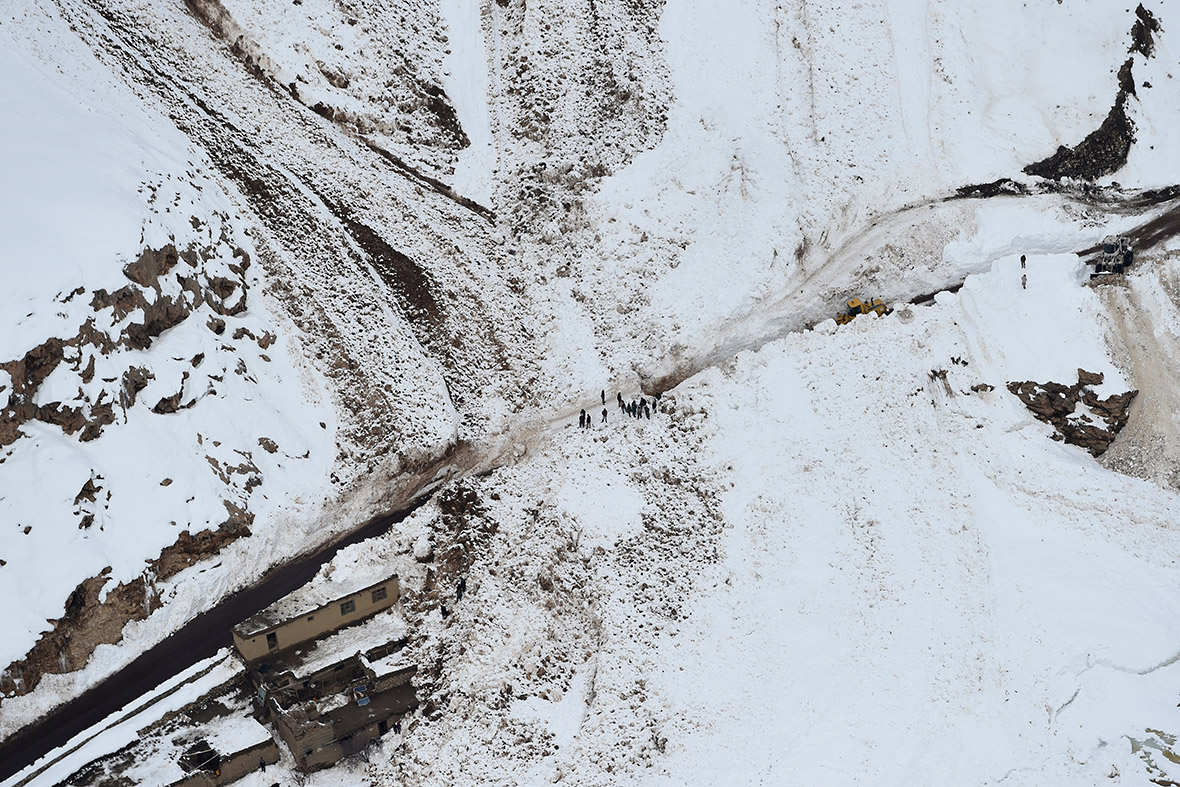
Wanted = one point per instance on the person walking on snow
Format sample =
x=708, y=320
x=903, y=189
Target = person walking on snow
x=604, y=415
x=621, y=405
x=1021, y=260
x=582, y=420
x=604, y=396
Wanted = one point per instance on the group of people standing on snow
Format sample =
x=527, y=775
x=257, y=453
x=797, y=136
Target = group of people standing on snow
x=636, y=408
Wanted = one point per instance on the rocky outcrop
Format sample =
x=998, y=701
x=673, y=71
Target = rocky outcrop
x=1143, y=32
x=27, y=375
x=92, y=618
x=151, y=265
x=223, y=295
x=1105, y=149
x=1057, y=404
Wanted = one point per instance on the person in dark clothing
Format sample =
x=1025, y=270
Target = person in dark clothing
x=443, y=609
x=397, y=727
x=1022, y=260
x=604, y=396
x=621, y=405
x=647, y=412
x=461, y=588
x=604, y=415
x=582, y=420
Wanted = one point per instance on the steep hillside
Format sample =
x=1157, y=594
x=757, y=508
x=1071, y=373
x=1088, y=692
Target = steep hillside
x=390, y=331
x=275, y=269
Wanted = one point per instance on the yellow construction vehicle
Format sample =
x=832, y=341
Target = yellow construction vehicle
x=857, y=307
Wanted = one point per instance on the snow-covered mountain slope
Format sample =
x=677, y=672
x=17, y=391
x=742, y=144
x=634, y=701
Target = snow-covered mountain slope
x=463, y=221
x=808, y=151
x=820, y=564
x=150, y=387
x=287, y=330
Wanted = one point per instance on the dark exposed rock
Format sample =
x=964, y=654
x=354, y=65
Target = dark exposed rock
x=225, y=296
x=993, y=189
x=70, y=419
x=88, y=372
x=101, y=414
x=89, y=492
x=164, y=313
x=190, y=549
x=1142, y=32
x=1105, y=150
x=169, y=404
x=87, y=623
x=1102, y=152
x=151, y=265
x=27, y=375
x=1056, y=404
x=221, y=292
x=135, y=380
x=122, y=301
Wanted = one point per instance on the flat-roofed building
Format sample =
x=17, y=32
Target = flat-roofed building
x=318, y=608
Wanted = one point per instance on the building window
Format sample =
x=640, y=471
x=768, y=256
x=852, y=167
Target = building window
x=272, y=641
x=348, y=607
x=379, y=594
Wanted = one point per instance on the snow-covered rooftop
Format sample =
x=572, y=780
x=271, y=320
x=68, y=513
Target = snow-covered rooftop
x=321, y=591
x=387, y=626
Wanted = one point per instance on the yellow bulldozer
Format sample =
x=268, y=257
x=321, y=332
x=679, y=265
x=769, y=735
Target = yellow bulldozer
x=857, y=307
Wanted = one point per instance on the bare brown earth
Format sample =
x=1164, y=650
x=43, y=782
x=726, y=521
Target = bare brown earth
x=1149, y=447
x=91, y=620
